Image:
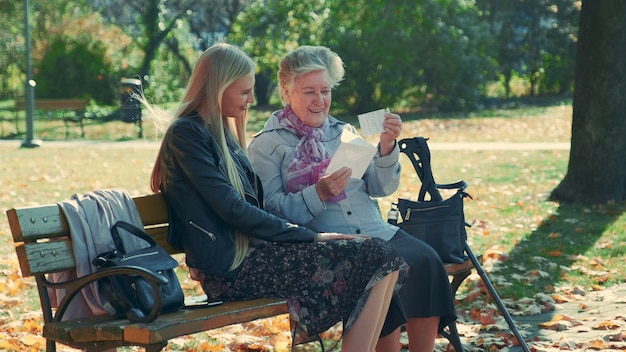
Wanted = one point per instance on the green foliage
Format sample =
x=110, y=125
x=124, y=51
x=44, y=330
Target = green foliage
x=537, y=40
x=168, y=79
x=434, y=54
x=267, y=30
x=11, y=49
x=433, y=49
x=85, y=73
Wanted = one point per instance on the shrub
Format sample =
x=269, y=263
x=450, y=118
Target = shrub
x=72, y=69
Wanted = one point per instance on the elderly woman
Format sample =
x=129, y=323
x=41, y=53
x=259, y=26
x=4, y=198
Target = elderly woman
x=237, y=250
x=291, y=155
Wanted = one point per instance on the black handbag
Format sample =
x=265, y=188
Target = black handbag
x=438, y=222
x=132, y=295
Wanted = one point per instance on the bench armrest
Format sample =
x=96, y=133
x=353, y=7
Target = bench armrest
x=74, y=287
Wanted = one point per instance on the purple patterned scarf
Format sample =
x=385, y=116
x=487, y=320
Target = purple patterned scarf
x=310, y=158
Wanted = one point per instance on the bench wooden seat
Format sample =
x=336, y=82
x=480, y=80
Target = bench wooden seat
x=68, y=110
x=43, y=246
x=459, y=272
x=102, y=331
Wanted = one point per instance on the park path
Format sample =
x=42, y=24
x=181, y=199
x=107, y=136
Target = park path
x=432, y=145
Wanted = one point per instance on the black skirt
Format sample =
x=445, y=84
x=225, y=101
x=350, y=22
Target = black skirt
x=426, y=292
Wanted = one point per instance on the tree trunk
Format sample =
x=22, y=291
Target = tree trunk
x=264, y=88
x=597, y=164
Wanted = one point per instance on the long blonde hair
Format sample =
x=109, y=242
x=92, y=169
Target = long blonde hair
x=217, y=68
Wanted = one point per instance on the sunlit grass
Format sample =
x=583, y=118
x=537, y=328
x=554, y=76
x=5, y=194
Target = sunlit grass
x=543, y=244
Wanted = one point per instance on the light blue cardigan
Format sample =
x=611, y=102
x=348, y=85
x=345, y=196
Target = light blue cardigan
x=270, y=151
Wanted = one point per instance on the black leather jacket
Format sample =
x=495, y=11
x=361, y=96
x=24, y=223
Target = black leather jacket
x=204, y=207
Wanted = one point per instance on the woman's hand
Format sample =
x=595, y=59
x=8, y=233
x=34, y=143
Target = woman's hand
x=393, y=127
x=331, y=236
x=331, y=185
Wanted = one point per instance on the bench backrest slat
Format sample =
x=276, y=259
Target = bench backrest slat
x=45, y=257
x=41, y=234
x=31, y=223
x=54, y=104
x=152, y=209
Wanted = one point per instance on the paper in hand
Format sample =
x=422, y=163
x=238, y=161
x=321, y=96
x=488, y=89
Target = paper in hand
x=372, y=122
x=354, y=152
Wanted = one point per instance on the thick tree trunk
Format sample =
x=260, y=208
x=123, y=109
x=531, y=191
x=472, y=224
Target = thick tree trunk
x=597, y=164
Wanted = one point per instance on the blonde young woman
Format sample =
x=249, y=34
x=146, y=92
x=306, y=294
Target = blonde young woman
x=237, y=250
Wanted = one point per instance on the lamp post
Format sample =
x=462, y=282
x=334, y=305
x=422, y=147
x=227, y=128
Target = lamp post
x=29, y=86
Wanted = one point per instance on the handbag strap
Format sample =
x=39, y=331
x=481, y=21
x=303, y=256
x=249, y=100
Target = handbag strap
x=461, y=185
x=133, y=230
x=417, y=146
x=417, y=150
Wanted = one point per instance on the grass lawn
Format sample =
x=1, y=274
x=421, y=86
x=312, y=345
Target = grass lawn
x=531, y=246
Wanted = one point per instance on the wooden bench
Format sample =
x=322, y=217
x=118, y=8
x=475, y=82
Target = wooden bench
x=68, y=110
x=43, y=246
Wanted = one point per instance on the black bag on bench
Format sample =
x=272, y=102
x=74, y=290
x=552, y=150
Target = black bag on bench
x=438, y=222
x=131, y=295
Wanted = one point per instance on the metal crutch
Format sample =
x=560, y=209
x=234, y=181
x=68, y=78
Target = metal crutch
x=496, y=297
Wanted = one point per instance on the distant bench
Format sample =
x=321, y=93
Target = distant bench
x=68, y=110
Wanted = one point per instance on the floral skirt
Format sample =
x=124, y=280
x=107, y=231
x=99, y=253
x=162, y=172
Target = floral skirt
x=324, y=283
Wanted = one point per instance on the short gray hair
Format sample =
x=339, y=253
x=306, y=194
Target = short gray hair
x=307, y=59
